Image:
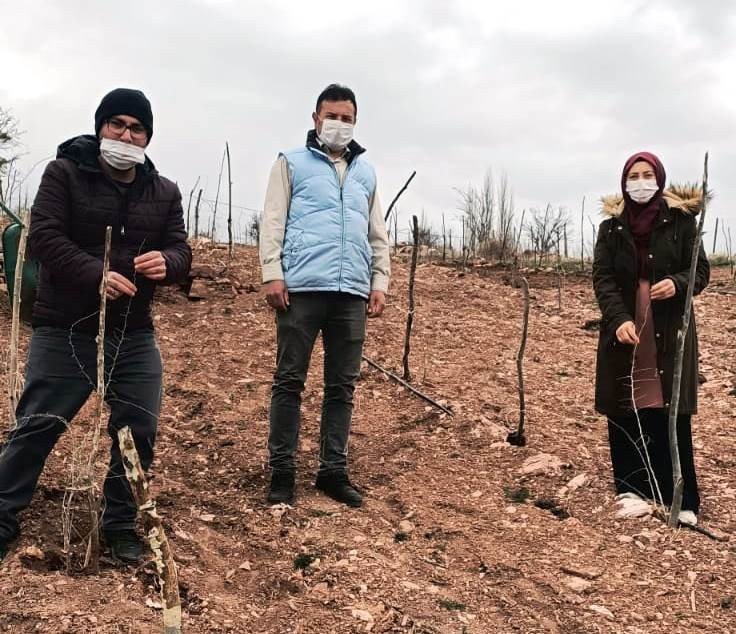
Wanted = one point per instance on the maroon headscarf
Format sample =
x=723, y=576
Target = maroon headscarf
x=641, y=217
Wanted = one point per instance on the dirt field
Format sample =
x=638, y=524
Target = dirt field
x=454, y=538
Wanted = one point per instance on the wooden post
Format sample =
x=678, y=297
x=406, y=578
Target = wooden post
x=93, y=551
x=13, y=391
x=444, y=238
x=582, y=236
x=715, y=237
x=677, y=481
x=196, y=214
x=229, y=203
x=517, y=437
x=410, y=314
x=217, y=198
x=189, y=205
x=163, y=556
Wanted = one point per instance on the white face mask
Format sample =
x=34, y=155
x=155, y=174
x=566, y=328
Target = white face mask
x=336, y=135
x=121, y=156
x=641, y=191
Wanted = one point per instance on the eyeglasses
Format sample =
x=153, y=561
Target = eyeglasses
x=118, y=126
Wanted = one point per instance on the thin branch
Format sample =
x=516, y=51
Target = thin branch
x=408, y=386
x=15, y=323
x=677, y=481
x=401, y=191
x=517, y=438
x=410, y=314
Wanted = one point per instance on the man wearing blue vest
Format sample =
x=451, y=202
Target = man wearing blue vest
x=325, y=259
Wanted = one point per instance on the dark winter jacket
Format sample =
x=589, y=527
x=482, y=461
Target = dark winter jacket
x=615, y=281
x=75, y=202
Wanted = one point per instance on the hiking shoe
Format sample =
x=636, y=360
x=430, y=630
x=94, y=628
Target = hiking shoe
x=5, y=545
x=688, y=517
x=338, y=487
x=282, y=487
x=125, y=545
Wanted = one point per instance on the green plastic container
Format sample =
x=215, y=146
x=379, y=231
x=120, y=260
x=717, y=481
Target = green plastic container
x=11, y=241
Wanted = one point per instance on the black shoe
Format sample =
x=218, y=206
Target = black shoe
x=338, y=487
x=282, y=488
x=125, y=545
x=5, y=545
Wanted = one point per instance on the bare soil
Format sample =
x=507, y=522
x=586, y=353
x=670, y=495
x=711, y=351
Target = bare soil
x=453, y=537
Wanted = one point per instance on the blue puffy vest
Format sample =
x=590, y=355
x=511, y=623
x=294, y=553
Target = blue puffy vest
x=326, y=244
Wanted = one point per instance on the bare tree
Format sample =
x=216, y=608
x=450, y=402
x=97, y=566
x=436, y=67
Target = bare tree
x=544, y=229
x=9, y=134
x=254, y=228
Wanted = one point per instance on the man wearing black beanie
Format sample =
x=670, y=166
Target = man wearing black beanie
x=96, y=181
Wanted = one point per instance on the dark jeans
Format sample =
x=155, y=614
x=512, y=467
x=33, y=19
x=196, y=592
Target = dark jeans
x=630, y=471
x=61, y=372
x=341, y=319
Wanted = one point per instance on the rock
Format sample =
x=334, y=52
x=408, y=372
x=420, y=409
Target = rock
x=33, y=552
x=363, y=615
x=599, y=609
x=578, y=481
x=198, y=290
x=576, y=584
x=541, y=463
x=405, y=526
x=410, y=586
x=631, y=508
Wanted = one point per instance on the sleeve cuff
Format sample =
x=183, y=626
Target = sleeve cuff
x=272, y=271
x=379, y=282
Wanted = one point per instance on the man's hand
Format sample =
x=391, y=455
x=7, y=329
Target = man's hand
x=663, y=290
x=277, y=295
x=626, y=333
x=376, y=303
x=151, y=265
x=118, y=285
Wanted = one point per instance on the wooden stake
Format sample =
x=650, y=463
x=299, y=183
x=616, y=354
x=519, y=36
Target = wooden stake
x=93, y=550
x=677, y=481
x=715, y=237
x=13, y=392
x=582, y=236
x=163, y=556
x=229, y=203
x=196, y=214
x=189, y=206
x=410, y=314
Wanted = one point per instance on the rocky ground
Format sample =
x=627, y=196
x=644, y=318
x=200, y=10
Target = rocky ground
x=461, y=532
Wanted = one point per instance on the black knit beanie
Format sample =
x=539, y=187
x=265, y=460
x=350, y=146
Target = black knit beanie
x=125, y=101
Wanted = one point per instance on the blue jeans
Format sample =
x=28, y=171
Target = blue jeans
x=341, y=319
x=61, y=373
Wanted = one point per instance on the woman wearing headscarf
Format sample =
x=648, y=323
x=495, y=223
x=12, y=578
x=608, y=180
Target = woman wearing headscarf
x=640, y=276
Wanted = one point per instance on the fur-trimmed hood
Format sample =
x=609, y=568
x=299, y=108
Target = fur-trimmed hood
x=687, y=199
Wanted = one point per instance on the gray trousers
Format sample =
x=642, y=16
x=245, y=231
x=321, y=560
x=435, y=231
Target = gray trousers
x=61, y=372
x=340, y=318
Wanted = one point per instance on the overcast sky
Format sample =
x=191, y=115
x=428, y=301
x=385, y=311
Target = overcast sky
x=554, y=94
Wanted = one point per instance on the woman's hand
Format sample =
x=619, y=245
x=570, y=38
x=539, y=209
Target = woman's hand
x=626, y=333
x=663, y=290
